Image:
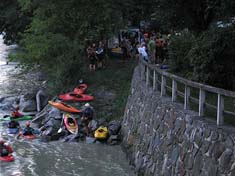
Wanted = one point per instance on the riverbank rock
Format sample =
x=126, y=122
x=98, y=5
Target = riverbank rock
x=41, y=100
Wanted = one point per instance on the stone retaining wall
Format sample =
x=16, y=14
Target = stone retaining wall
x=163, y=139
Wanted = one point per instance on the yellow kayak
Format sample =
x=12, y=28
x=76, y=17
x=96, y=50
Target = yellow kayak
x=101, y=133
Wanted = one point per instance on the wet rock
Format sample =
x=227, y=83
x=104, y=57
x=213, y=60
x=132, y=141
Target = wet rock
x=27, y=105
x=41, y=99
x=113, y=140
x=6, y=107
x=114, y=127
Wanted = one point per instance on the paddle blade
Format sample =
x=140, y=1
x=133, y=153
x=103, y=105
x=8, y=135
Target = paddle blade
x=59, y=131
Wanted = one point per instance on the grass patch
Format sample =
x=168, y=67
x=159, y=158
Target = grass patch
x=115, y=79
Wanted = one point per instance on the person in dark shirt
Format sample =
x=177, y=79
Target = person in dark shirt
x=28, y=130
x=5, y=149
x=13, y=123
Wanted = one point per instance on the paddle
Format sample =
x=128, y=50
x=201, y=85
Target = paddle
x=60, y=130
x=5, y=116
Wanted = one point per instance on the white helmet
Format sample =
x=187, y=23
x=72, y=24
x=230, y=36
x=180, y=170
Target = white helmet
x=87, y=105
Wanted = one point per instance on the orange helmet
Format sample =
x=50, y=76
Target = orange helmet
x=28, y=124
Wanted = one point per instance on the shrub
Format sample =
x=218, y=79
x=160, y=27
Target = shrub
x=213, y=57
x=179, y=47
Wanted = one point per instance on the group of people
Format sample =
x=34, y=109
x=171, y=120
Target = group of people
x=153, y=48
x=14, y=124
x=96, y=56
x=5, y=149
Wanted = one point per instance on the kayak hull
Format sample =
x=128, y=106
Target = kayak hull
x=80, y=89
x=8, y=158
x=13, y=130
x=67, y=122
x=17, y=119
x=101, y=133
x=64, y=107
x=76, y=97
x=30, y=137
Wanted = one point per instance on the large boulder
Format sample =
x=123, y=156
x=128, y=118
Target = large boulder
x=27, y=103
x=114, y=127
x=41, y=99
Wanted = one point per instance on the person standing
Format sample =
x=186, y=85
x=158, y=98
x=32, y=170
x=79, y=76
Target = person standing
x=100, y=55
x=152, y=49
x=124, y=48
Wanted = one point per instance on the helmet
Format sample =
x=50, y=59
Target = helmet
x=87, y=105
x=1, y=141
x=28, y=124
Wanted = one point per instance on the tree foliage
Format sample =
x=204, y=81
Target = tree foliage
x=53, y=33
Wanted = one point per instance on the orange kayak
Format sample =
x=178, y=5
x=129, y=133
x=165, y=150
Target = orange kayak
x=64, y=107
x=70, y=123
x=80, y=89
x=76, y=97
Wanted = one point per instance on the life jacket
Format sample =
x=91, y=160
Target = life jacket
x=28, y=131
x=5, y=150
x=13, y=124
x=17, y=114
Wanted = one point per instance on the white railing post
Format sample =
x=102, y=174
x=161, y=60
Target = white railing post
x=174, y=90
x=186, y=97
x=202, y=96
x=220, y=109
x=155, y=80
x=163, y=86
x=147, y=76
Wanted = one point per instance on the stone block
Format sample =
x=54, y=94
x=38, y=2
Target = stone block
x=225, y=160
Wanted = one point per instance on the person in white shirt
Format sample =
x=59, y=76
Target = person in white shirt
x=142, y=52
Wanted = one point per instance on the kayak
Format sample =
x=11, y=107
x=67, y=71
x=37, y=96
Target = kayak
x=26, y=117
x=64, y=107
x=12, y=130
x=76, y=97
x=29, y=136
x=80, y=89
x=101, y=133
x=8, y=158
x=70, y=123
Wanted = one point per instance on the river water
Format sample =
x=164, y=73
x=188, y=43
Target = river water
x=34, y=158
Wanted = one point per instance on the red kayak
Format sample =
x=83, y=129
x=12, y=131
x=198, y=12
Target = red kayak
x=8, y=158
x=80, y=89
x=76, y=97
x=30, y=137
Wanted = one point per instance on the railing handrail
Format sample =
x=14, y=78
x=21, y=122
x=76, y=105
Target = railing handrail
x=191, y=83
x=203, y=88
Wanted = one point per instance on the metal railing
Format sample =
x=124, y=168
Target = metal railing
x=146, y=69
